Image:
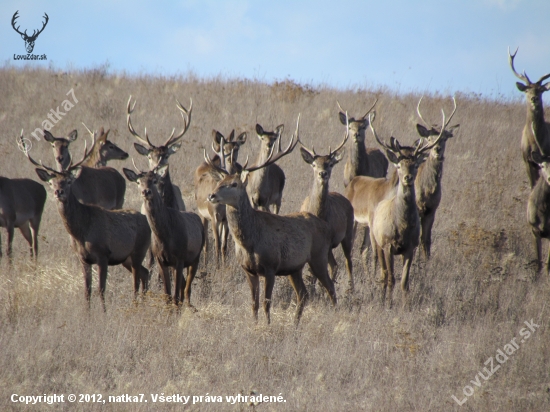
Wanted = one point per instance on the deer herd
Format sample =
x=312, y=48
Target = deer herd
x=397, y=209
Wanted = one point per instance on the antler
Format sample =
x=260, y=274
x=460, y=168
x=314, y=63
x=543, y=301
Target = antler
x=273, y=158
x=15, y=16
x=129, y=111
x=221, y=168
x=433, y=125
x=86, y=155
x=35, y=35
x=346, y=136
x=518, y=75
x=421, y=147
x=89, y=131
x=381, y=143
x=186, y=121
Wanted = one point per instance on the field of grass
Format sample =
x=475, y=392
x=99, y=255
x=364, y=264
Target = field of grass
x=469, y=301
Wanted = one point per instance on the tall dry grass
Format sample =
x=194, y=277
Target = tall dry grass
x=468, y=301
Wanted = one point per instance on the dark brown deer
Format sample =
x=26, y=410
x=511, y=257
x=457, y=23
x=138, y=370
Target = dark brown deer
x=535, y=116
x=395, y=224
x=265, y=185
x=29, y=40
x=21, y=206
x=332, y=207
x=101, y=186
x=177, y=237
x=206, y=180
x=362, y=160
x=158, y=155
x=428, y=179
x=99, y=236
x=269, y=245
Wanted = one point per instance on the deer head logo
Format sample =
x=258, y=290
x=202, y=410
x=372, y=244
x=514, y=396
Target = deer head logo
x=29, y=40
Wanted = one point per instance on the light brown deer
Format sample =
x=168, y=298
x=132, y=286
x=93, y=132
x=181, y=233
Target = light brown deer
x=395, y=224
x=96, y=184
x=362, y=160
x=158, y=155
x=535, y=116
x=270, y=245
x=21, y=206
x=332, y=207
x=177, y=236
x=265, y=186
x=428, y=179
x=206, y=180
x=99, y=236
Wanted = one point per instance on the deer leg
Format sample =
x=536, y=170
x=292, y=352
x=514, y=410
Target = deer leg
x=179, y=282
x=383, y=270
x=319, y=269
x=537, y=241
x=347, y=247
x=191, y=272
x=128, y=265
x=427, y=222
x=407, y=260
x=216, y=226
x=205, y=234
x=26, y=232
x=35, y=225
x=87, y=271
x=225, y=235
x=391, y=277
x=10, y=229
x=375, y=252
x=166, y=279
x=254, y=283
x=332, y=265
x=301, y=293
x=269, y=283
x=102, y=270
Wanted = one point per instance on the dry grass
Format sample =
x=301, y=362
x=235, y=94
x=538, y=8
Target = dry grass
x=468, y=301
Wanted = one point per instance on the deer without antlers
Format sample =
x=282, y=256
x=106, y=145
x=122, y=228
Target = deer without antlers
x=270, y=245
x=536, y=132
x=158, y=155
x=29, y=40
x=206, y=180
x=99, y=236
x=97, y=184
x=177, y=238
x=265, y=185
x=332, y=207
x=428, y=179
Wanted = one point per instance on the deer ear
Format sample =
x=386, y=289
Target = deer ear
x=546, y=86
x=451, y=130
x=279, y=129
x=217, y=136
x=338, y=155
x=130, y=175
x=174, y=148
x=259, y=130
x=342, y=117
x=162, y=170
x=242, y=138
x=73, y=135
x=48, y=136
x=75, y=173
x=392, y=157
x=521, y=87
x=142, y=150
x=308, y=158
x=244, y=177
x=422, y=131
x=536, y=156
x=43, y=175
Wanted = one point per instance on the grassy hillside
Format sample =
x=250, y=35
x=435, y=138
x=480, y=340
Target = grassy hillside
x=468, y=301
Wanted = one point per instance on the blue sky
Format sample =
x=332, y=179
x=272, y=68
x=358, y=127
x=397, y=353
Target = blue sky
x=421, y=45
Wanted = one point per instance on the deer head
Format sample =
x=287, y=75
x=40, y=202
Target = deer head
x=29, y=40
x=356, y=127
x=60, y=146
x=533, y=90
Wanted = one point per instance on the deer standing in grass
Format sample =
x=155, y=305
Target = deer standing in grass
x=331, y=207
x=428, y=179
x=97, y=184
x=395, y=224
x=158, y=155
x=206, y=179
x=265, y=186
x=270, y=245
x=99, y=236
x=177, y=236
x=536, y=132
x=21, y=206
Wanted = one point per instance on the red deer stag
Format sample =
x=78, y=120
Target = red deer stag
x=206, y=180
x=428, y=179
x=177, y=236
x=395, y=224
x=99, y=236
x=265, y=186
x=535, y=116
x=96, y=184
x=21, y=205
x=270, y=245
x=332, y=207
x=158, y=155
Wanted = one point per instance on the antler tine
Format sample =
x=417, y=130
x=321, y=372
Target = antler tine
x=452, y=114
x=186, y=116
x=34, y=162
x=346, y=136
x=383, y=144
x=271, y=158
x=511, y=61
x=212, y=164
x=13, y=19
x=43, y=26
x=421, y=148
x=372, y=107
x=419, y=114
x=89, y=131
x=340, y=107
x=129, y=111
x=87, y=154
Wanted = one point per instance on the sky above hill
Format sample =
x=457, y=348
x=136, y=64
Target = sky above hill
x=422, y=45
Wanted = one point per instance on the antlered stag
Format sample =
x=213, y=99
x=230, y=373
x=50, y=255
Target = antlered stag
x=99, y=236
x=177, y=236
x=270, y=245
x=536, y=132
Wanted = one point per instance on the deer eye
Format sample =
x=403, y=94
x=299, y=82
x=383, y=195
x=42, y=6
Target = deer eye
x=234, y=184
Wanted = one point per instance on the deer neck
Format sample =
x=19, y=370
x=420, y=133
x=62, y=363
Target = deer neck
x=168, y=196
x=95, y=159
x=261, y=175
x=358, y=158
x=318, y=199
x=157, y=215
x=242, y=221
x=405, y=208
x=429, y=174
x=75, y=216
